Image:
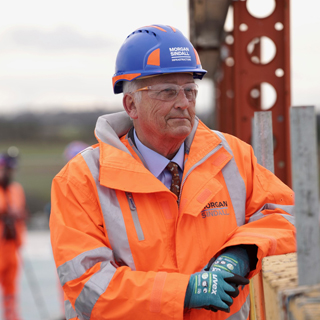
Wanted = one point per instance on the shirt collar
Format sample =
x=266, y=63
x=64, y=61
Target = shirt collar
x=156, y=162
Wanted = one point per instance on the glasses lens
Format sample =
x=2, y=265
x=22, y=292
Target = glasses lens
x=164, y=92
x=168, y=92
x=191, y=92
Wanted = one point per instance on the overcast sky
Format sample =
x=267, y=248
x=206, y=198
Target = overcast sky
x=62, y=52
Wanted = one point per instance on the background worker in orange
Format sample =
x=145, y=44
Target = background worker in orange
x=12, y=229
x=164, y=218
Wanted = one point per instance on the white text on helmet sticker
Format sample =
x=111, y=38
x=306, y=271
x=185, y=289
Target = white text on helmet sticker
x=180, y=54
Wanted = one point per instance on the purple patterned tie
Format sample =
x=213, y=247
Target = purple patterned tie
x=175, y=183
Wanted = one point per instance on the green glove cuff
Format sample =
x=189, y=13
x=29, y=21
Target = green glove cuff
x=235, y=260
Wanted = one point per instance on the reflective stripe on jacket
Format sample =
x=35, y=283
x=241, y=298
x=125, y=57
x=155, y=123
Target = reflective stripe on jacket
x=123, y=247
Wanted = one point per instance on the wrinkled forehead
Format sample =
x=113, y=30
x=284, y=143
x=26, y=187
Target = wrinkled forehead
x=178, y=78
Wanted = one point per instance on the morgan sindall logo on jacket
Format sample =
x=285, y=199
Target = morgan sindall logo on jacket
x=213, y=209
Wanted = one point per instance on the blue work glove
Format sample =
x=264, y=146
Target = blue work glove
x=211, y=290
x=234, y=259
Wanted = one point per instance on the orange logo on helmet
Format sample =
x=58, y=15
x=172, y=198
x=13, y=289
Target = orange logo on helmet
x=154, y=58
x=197, y=56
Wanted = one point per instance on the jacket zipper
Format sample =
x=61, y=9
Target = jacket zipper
x=135, y=217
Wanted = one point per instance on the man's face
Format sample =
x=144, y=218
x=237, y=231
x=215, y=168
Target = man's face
x=157, y=121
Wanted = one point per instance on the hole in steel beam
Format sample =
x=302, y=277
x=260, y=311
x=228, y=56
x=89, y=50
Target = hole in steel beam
x=261, y=50
x=255, y=93
x=278, y=26
x=243, y=27
x=228, y=25
x=262, y=96
x=230, y=94
x=230, y=62
x=229, y=39
x=261, y=9
x=279, y=72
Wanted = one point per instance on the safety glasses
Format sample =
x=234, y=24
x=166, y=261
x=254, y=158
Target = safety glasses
x=169, y=91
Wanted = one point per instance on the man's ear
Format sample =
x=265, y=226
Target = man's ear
x=129, y=105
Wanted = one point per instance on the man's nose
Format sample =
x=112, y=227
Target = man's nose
x=181, y=100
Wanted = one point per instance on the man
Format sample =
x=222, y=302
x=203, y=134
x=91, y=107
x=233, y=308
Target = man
x=12, y=229
x=132, y=242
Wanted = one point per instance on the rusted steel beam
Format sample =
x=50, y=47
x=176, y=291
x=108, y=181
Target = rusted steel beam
x=255, y=78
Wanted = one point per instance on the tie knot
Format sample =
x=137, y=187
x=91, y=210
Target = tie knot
x=172, y=167
x=175, y=183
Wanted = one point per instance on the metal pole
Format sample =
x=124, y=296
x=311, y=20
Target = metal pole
x=305, y=185
x=262, y=142
x=263, y=139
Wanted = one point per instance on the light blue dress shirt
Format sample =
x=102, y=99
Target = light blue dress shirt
x=157, y=163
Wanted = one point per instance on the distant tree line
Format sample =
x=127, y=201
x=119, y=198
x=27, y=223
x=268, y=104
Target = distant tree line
x=58, y=127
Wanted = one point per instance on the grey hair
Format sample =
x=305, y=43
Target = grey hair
x=131, y=86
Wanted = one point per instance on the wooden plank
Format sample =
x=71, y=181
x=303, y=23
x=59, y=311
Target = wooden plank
x=305, y=185
x=301, y=303
x=279, y=273
x=284, y=299
x=305, y=306
x=257, y=300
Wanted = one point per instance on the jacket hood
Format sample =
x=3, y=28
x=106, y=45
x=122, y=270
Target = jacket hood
x=110, y=127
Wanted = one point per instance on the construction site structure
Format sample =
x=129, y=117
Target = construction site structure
x=249, y=66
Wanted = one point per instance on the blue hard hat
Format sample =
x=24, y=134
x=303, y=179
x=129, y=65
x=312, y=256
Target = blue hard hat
x=155, y=50
x=8, y=161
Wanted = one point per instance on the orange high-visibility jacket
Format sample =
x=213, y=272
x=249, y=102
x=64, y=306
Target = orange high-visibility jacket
x=13, y=203
x=123, y=247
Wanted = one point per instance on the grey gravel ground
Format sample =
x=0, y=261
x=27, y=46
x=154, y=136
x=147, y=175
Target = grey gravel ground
x=39, y=292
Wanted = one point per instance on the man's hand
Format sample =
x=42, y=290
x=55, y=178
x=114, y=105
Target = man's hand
x=234, y=259
x=212, y=290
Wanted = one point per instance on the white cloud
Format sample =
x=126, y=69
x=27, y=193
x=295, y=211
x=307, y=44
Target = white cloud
x=62, y=38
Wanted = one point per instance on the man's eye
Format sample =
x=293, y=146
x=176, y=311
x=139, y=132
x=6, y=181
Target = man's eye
x=169, y=91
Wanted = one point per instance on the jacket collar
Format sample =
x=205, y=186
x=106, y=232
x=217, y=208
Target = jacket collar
x=110, y=127
x=121, y=167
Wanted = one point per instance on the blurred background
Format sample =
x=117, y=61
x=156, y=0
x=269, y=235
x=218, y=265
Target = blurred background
x=56, y=64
